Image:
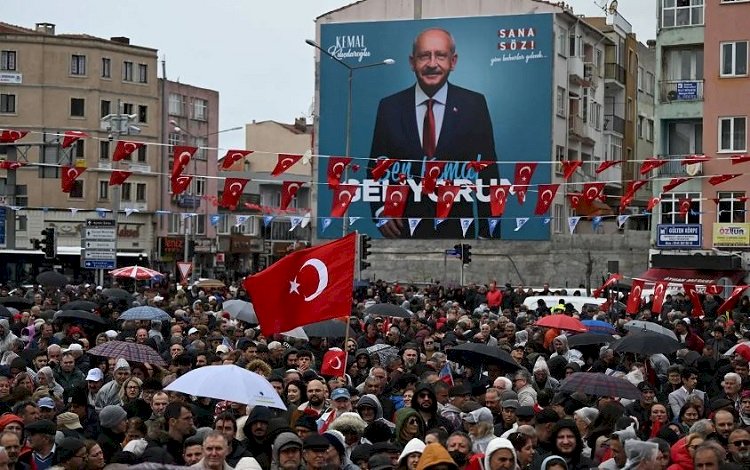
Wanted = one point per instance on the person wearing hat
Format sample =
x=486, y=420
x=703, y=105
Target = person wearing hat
x=641, y=408
x=410, y=455
x=286, y=453
x=41, y=438
x=314, y=450
x=69, y=425
x=71, y=454
x=480, y=427
x=94, y=382
x=340, y=404
x=380, y=462
x=457, y=396
x=109, y=394
x=113, y=422
x=46, y=408
x=336, y=454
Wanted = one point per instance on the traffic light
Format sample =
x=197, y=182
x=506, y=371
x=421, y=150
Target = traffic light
x=365, y=243
x=466, y=253
x=48, y=244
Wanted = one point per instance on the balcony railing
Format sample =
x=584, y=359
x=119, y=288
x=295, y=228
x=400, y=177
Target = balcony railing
x=681, y=90
x=579, y=129
x=614, y=71
x=674, y=166
x=614, y=123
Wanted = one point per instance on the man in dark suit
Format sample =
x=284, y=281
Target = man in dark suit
x=440, y=121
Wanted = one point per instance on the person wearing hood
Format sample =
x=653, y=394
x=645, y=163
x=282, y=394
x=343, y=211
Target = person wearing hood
x=352, y=426
x=425, y=402
x=256, y=430
x=542, y=379
x=554, y=462
x=411, y=454
x=369, y=409
x=480, y=427
x=109, y=394
x=409, y=425
x=569, y=445
x=286, y=452
x=7, y=337
x=46, y=377
x=640, y=455
x=435, y=457
x=560, y=343
x=336, y=454
x=500, y=455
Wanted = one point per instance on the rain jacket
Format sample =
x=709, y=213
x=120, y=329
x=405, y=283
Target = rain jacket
x=414, y=445
x=680, y=457
x=6, y=342
x=372, y=401
x=435, y=454
x=402, y=416
x=495, y=445
x=572, y=355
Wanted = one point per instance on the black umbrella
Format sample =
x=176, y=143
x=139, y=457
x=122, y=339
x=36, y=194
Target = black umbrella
x=587, y=339
x=387, y=310
x=477, y=354
x=5, y=313
x=116, y=293
x=80, y=305
x=646, y=342
x=328, y=329
x=80, y=315
x=52, y=279
x=16, y=302
x=600, y=385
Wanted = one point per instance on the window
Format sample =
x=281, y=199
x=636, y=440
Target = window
x=105, y=107
x=8, y=60
x=200, y=186
x=630, y=111
x=106, y=67
x=127, y=71
x=731, y=209
x=127, y=108
x=670, y=208
x=174, y=138
x=734, y=59
x=201, y=143
x=78, y=64
x=22, y=195
x=175, y=224
x=681, y=13
x=684, y=64
x=79, y=149
x=650, y=83
x=559, y=156
x=596, y=116
x=77, y=191
x=615, y=148
x=558, y=217
x=103, y=150
x=176, y=104
x=639, y=124
x=640, y=78
x=650, y=130
x=562, y=42
x=732, y=132
x=199, y=224
x=684, y=138
x=200, y=109
x=103, y=190
x=140, y=192
x=77, y=107
x=7, y=103
x=142, y=153
x=125, y=191
x=574, y=45
x=142, y=73
x=142, y=114
x=560, y=100
x=22, y=223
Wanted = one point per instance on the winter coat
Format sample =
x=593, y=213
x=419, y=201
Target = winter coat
x=680, y=457
x=435, y=454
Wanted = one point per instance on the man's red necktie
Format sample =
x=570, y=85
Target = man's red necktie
x=428, y=130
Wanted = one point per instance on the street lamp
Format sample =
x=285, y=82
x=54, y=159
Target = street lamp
x=350, y=69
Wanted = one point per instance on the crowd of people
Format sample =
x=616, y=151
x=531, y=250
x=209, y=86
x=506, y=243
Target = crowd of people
x=401, y=404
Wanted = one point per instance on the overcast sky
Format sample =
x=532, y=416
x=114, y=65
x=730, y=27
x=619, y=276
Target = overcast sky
x=251, y=51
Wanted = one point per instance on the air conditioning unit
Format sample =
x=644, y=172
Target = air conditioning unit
x=694, y=169
x=672, y=95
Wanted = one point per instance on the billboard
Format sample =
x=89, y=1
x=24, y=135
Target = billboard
x=731, y=234
x=490, y=101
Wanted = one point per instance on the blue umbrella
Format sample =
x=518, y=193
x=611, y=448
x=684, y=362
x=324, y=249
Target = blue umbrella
x=598, y=326
x=144, y=312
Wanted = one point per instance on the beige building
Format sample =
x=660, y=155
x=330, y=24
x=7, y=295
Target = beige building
x=51, y=83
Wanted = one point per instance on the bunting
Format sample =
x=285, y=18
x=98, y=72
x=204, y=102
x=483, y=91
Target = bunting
x=718, y=179
x=124, y=149
x=569, y=167
x=447, y=195
x=607, y=164
x=71, y=137
x=592, y=191
x=382, y=167
x=8, y=136
x=546, y=196
x=498, y=196
x=395, y=201
x=336, y=167
x=673, y=183
x=289, y=191
x=233, y=188
x=180, y=184
x=232, y=157
x=651, y=164
x=69, y=176
x=118, y=177
x=342, y=198
x=522, y=178
x=432, y=172
x=284, y=161
x=182, y=156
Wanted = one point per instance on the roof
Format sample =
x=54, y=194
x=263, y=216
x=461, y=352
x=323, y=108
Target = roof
x=7, y=28
x=550, y=2
x=290, y=127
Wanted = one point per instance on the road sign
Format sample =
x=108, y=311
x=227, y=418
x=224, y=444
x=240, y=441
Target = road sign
x=185, y=267
x=100, y=234
x=104, y=245
x=96, y=254
x=679, y=236
x=99, y=264
x=99, y=244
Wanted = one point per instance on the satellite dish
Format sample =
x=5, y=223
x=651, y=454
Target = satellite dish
x=612, y=7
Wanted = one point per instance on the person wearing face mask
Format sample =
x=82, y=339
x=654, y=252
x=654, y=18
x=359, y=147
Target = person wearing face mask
x=459, y=448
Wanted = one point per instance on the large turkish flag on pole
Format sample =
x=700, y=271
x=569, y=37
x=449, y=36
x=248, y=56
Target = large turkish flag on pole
x=305, y=286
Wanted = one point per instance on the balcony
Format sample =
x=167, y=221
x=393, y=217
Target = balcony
x=579, y=129
x=576, y=71
x=591, y=74
x=614, y=123
x=675, y=168
x=614, y=73
x=680, y=90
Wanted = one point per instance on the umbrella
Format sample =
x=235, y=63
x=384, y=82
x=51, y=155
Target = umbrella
x=211, y=381
x=15, y=301
x=562, y=322
x=640, y=325
x=80, y=305
x=80, y=315
x=328, y=329
x=476, y=354
x=598, y=326
x=600, y=385
x=646, y=342
x=116, y=293
x=5, y=312
x=135, y=272
x=241, y=310
x=387, y=310
x=385, y=352
x=731, y=350
x=52, y=279
x=210, y=283
x=144, y=312
x=587, y=339
x=129, y=351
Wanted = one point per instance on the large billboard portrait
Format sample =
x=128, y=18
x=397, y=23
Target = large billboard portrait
x=432, y=134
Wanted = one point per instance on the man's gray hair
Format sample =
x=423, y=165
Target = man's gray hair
x=445, y=31
x=702, y=427
x=523, y=374
x=213, y=434
x=733, y=377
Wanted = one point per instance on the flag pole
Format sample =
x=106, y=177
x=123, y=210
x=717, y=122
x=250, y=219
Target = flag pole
x=349, y=317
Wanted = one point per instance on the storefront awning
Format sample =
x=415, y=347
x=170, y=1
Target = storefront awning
x=694, y=276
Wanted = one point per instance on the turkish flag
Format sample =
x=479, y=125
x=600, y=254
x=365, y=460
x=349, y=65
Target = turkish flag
x=592, y=191
x=125, y=148
x=304, y=287
x=611, y=281
x=714, y=289
x=118, y=177
x=381, y=167
x=70, y=137
x=342, y=197
x=6, y=165
x=660, y=291
x=651, y=164
x=69, y=175
x=522, y=178
x=288, y=192
x=634, y=186
x=334, y=363
x=447, y=195
x=606, y=164
x=8, y=136
x=625, y=201
x=232, y=157
x=718, y=179
x=729, y=304
x=478, y=165
x=575, y=199
x=233, y=188
x=736, y=159
x=336, y=167
x=432, y=172
x=652, y=203
x=673, y=183
x=693, y=159
x=634, y=299
x=546, y=196
x=569, y=167
x=684, y=206
x=695, y=299
x=395, y=200
x=180, y=184
x=498, y=196
x=182, y=156
x=284, y=161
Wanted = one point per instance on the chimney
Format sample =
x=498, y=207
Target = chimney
x=120, y=40
x=45, y=28
x=651, y=43
x=300, y=124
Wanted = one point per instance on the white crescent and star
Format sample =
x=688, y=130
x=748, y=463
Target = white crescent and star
x=322, y=271
x=72, y=173
x=499, y=194
x=637, y=292
x=292, y=189
x=445, y=197
x=14, y=135
x=522, y=171
x=348, y=196
x=235, y=157
x=337, y=363
x=393, y=197
x=338, y=168
x=284, y=163
x=129, y=147
x=184, y=158
x=547, y=196
x=592, y=195
x=434, y=174
x=235, y=188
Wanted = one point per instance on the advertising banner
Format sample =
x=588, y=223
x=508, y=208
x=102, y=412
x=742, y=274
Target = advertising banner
x=728, y=234
x=465, y=104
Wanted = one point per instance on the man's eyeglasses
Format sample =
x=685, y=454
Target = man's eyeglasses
x=741, y=443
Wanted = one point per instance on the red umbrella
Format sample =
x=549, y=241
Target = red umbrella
x=562, y=322
x=135, y=272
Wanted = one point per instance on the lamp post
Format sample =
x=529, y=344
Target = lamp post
x=350, y=69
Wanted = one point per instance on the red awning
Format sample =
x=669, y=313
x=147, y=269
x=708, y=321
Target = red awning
x=694, y=276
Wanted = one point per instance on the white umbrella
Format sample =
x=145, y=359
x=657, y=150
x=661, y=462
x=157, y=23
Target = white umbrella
x=650, y=326
x=228, y=382
x=240, y=310
x=731, y=350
